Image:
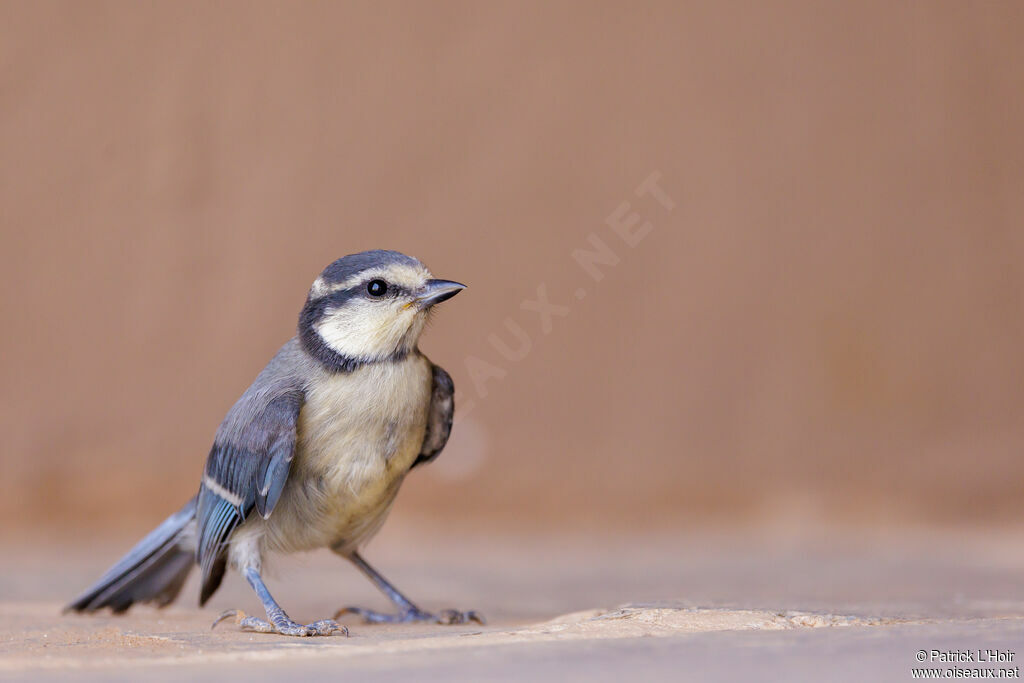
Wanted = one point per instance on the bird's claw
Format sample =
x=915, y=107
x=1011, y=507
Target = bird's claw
x=454, y=616
x=282, y=626
x=448, y=616
x=227, y=614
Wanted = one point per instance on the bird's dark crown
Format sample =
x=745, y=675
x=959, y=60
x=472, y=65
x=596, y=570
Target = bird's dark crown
x=349, y=266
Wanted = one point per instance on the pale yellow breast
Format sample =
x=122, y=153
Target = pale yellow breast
x=358, y=435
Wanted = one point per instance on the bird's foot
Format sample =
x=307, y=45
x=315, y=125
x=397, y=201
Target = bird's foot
x=282, y=624
x=414, y=615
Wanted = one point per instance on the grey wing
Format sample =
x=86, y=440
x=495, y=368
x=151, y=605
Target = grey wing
x=439, y=418
x=245, y=471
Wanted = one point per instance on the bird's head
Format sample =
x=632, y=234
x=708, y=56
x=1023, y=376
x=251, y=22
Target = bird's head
x=369, y=307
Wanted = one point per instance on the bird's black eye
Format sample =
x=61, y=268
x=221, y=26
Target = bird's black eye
x=377, y=288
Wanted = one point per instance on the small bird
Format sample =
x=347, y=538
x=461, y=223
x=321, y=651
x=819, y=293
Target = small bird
x=313, y=453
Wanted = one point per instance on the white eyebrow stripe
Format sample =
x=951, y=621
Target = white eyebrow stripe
x=405, y=275
x=319, y=288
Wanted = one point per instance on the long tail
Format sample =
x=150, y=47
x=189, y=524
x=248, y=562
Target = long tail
x=153, y=571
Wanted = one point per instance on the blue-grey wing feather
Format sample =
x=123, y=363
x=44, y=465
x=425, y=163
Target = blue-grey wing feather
x=248, y=465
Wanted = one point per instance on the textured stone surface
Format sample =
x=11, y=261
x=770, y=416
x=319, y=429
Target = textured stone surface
x=659, y=608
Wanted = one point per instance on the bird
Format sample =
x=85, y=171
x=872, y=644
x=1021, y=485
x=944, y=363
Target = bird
x=312, y=454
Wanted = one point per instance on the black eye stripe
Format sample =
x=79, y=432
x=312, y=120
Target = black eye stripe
x=341, y=297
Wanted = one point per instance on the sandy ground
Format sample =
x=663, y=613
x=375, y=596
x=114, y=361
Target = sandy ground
x=580, y=607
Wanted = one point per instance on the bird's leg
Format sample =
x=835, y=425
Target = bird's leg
x=277, y=621
x=408, y=611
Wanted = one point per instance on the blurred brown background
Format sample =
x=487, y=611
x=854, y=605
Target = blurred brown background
x=826, y=326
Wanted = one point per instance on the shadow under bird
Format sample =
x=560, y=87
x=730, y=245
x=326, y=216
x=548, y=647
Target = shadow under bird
x=313, y=453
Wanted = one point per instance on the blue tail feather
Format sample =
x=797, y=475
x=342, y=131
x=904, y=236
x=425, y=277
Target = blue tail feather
x=153, y=571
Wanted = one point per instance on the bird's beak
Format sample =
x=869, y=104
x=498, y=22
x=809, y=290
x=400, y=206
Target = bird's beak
x=436, y=291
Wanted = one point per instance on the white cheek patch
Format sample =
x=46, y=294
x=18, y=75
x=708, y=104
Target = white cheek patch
x=368, y=329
